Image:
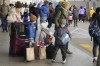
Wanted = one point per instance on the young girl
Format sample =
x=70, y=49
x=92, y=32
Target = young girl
x=70, y=17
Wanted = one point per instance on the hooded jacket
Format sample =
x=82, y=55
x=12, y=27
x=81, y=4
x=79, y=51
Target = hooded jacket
x=44, y=10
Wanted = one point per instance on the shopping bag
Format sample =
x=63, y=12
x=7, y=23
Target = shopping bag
x=30, y=53
x=42, y=52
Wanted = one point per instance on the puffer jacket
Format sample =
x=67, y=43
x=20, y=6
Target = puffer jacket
x=58, y=34
x=31, y=30
x=62, y=14
x=44, y=10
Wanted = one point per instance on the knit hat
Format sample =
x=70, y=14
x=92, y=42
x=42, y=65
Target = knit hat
x=64, y=4
x=63, y=22
x=97, y=10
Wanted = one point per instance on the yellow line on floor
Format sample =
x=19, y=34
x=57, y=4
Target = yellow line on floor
x=87, y=47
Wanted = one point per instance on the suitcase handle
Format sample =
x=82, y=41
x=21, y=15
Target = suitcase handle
x=30, y=44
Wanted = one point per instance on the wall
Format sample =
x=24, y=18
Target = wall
x=1, y=1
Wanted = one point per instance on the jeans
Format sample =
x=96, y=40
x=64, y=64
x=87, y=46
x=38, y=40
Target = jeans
x=4, y=23
x=43, y=19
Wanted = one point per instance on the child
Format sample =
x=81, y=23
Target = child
x=70, y=17
x=31, y=28
x=62, y=29
x=45, y=36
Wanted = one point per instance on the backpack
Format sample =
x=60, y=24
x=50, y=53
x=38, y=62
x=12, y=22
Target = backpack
x=94, y=29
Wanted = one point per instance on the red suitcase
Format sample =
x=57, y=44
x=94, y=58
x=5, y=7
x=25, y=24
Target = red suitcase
x=16, y=46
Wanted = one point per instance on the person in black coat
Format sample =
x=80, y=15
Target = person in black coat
x=98, y=38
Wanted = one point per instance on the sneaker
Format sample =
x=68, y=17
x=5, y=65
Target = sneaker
x=68, y=52
x=94, y=60
x=63, y=62
x=53, y=61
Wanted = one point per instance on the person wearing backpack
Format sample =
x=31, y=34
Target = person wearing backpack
x=62, y=14
x=98, y=38
x=94, y=31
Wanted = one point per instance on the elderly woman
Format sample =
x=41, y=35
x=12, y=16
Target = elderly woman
x=14, y=16
x=62, y=14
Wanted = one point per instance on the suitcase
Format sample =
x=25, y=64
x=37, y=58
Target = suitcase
x=49, y=51
x=16, y=44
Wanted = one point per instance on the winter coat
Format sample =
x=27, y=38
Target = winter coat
x=62, y=14
x=30, y=30
x=44, y=10
x=4, y=10
x=58, y=34
x=91, y=12
x=75, y=14
x=81, y=11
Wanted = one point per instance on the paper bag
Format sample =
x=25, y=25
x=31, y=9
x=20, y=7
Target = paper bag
x=30, y=54
x=42, y=52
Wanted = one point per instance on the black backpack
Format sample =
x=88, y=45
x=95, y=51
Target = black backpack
x=94, y=29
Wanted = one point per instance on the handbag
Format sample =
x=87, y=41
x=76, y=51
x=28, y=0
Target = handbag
x=30, y=53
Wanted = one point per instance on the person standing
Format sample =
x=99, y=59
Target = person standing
x=91, y=13
x=44, y=11
x=81, y=14
x=51, y=14
x=75, y=15
x=4, y=10
x=98, y=38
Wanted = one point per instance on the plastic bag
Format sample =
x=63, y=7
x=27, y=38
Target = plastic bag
x=65, y=38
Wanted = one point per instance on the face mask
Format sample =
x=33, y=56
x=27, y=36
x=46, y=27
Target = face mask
x=62, y=25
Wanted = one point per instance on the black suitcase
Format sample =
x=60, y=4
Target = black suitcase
x=49, y=51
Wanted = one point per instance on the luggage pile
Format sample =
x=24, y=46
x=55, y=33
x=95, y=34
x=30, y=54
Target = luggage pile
x=31, y=50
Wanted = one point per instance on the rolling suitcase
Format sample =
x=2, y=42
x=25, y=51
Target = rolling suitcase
x=16, y=43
